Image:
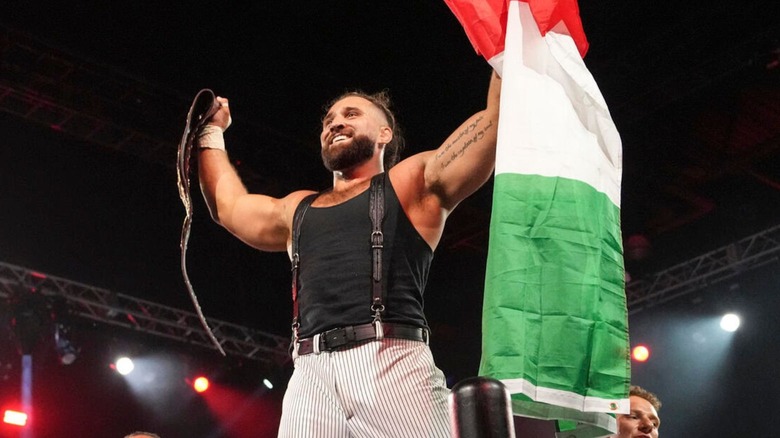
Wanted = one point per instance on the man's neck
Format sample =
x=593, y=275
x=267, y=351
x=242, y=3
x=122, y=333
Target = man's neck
x=344, y=181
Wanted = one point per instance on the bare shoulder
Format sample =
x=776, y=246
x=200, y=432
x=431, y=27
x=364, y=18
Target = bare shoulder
x=290, y=203
x=422, y=205
x=286, y=207
x=408, y=176
x=262, y=221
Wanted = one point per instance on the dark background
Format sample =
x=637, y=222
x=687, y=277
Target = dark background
x=693, y=87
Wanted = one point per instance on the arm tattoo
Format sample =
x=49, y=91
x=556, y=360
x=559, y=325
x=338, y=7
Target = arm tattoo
x=468, y=137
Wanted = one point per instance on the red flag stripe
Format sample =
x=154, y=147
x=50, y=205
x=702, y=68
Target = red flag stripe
x=548, y=13
x=485, y=21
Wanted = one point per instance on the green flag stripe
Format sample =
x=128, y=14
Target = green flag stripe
x=554, y=286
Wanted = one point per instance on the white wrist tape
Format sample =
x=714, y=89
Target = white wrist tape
x=211, y=137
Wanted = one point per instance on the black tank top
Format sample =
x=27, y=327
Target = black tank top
x=335, y=265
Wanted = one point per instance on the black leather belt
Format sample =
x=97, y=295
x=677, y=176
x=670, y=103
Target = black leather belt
x=346, y=337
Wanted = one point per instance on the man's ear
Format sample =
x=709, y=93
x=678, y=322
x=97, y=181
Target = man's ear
x=385, y=135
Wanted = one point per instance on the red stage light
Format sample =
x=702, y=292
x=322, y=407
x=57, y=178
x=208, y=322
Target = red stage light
x=640, y=353
x=200, y=384
x=15, y=417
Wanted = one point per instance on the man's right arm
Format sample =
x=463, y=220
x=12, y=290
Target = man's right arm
x=260, y=221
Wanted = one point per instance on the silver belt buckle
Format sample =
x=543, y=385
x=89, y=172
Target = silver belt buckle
x=316, y=344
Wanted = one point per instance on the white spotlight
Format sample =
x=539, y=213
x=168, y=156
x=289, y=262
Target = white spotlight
x=124, y=366
x=268, y=384
x=729, y=322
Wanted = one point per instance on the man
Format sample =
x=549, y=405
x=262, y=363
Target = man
x=643, y=421
x=362, y=364
x=142, y=435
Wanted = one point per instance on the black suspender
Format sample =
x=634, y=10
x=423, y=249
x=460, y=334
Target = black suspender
x=296, y=259
x=376, y=200
x=376, y=208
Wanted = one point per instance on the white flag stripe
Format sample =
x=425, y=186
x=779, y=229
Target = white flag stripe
x=567, y=399
x=543, y=133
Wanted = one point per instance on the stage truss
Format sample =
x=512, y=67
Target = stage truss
x=145, y=316
x=713, y=267
x=117, y=309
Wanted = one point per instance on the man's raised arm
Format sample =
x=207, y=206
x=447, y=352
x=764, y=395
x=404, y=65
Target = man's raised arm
x=260, y=221
x=465, y=161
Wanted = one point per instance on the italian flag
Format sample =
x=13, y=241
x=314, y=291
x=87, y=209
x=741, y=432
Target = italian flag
x=555, y=324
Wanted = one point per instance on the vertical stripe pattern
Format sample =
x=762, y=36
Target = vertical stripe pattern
x=388, y=388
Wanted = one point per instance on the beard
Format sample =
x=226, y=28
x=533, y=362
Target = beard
x=360, y=151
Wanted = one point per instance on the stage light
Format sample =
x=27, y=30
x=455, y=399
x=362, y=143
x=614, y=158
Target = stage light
x=65, y=349
x=640, y=353
x=29, y=319
x=729, y=322
x=268, y=384
x=124, y=366
x=15, y=418
x=201, y=384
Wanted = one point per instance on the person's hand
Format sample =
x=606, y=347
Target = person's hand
x=222, y=117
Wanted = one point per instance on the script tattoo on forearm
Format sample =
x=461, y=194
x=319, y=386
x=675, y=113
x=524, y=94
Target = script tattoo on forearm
x=465, y=139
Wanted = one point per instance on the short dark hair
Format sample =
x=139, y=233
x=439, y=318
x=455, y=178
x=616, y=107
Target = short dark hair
x=381, y=100
x=645, y=394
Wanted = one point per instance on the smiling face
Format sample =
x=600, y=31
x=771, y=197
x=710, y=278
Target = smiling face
x=352, y=132
x=642, y=422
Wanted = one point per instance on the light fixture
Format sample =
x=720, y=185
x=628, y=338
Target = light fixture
x=730, y=322
x=200, y=384
x=66, y=351
x=640, y=353
x=15, y=418
x=124, y=366
x=29, y=319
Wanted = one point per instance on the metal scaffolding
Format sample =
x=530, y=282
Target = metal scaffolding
x=713, y=267
x=88, y=101
x=122, y=310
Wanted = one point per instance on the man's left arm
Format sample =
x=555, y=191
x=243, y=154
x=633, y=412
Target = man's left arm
x=465, y=161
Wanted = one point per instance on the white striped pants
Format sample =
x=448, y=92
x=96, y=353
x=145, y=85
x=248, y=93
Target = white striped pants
x=387, y=388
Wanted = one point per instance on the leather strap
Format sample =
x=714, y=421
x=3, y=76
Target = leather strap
x=376, y=201
x=300, y=211
x=203, y=107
